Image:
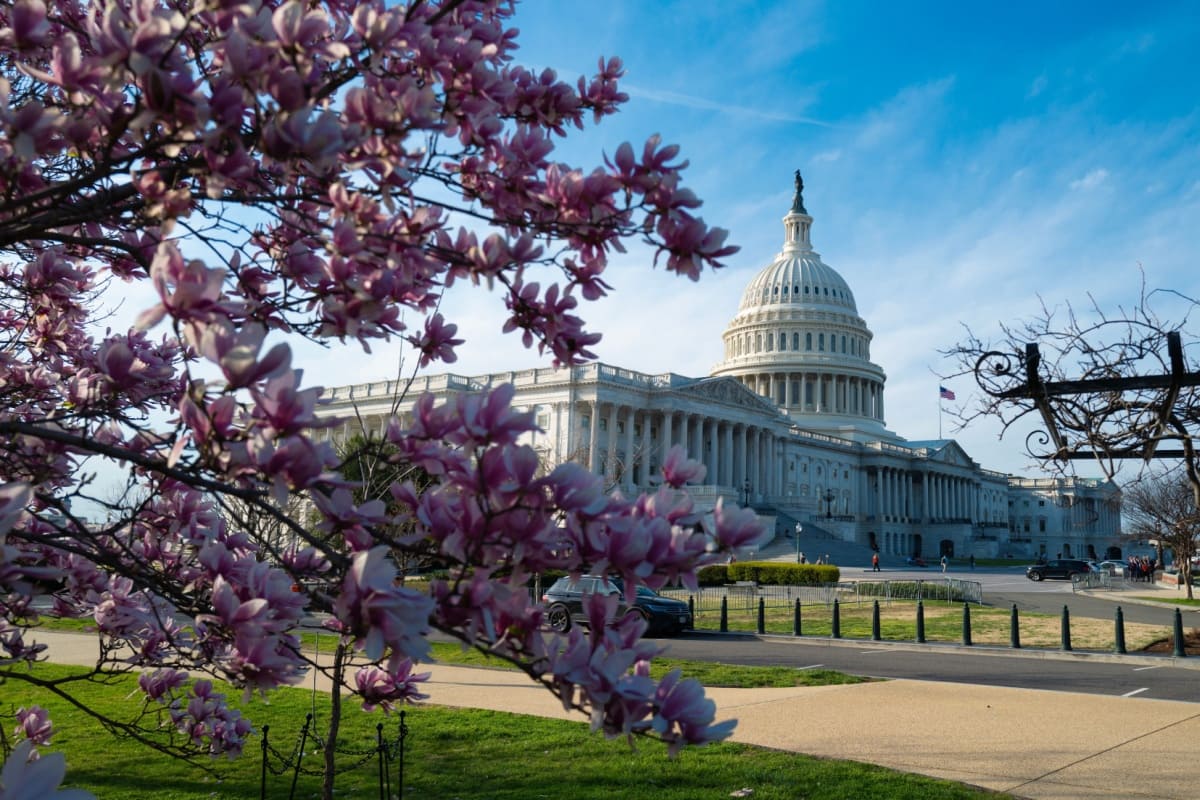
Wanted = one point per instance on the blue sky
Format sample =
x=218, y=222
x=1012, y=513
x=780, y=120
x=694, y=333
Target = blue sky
x=960, y=160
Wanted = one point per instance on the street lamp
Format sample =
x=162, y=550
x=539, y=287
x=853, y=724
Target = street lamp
x=829, y=498
x=746, y=490
x=799, y=529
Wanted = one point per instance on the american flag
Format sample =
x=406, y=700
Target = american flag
x=945, y=393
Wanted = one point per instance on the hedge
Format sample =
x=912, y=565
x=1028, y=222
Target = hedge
x=769, y=573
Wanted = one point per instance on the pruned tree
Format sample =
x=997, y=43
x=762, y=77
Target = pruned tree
x=283, y=170
x=1110, y=388
x=1162, y=506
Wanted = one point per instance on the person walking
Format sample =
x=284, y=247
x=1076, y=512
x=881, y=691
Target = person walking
x=972, y=562
x=875, y=562
x=945, y=562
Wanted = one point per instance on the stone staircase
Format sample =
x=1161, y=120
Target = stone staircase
x=815, y=542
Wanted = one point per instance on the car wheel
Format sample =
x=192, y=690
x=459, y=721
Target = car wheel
x=558, y=618
x=1035, y=576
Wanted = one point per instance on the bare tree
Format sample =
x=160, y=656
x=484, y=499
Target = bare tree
x=1162, y=507
x=1109, y=387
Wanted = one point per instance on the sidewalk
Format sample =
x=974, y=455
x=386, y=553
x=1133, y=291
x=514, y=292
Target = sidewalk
x=1036, y=744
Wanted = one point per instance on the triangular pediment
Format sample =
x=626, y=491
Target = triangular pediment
x=951, y=453
x=728, y=391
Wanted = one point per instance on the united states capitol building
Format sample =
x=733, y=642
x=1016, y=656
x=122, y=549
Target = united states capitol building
x=792, y=423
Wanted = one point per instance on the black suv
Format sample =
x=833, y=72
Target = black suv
x=564, y=605
x=1063, y=568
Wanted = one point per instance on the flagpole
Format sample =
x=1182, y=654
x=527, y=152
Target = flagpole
x=939, y=412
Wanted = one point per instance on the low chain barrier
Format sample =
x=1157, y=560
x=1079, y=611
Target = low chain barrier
x=385, y=752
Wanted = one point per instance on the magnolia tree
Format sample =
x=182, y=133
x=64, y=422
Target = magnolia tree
x=267, y=172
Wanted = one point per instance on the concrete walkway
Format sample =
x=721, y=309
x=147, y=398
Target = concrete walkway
x=1036, y=744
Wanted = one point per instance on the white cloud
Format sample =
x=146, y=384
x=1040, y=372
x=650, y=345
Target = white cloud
x=1090, y=180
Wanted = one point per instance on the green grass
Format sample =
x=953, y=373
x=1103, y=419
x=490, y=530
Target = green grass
x=943, y=623
x=460, y=753
x=708, y=673
x=1175, y=601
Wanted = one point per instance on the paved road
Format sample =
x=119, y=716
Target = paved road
x=1090, y=673
x=1137, y=676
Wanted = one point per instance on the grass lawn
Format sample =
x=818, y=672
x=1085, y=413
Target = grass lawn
x=943, y=623
x=456, y=753
x=1174, y=601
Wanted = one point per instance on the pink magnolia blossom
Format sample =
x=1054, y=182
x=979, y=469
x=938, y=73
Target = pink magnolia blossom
x=25, y=777
x=324, y=173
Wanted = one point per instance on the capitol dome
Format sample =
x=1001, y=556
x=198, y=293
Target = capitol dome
x=797, y=339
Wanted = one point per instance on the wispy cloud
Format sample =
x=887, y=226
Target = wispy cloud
x=730, y=109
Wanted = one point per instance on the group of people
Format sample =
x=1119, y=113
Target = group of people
x=1141, y=568
x=803, y=559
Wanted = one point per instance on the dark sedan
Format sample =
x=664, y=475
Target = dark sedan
x=564, y=605
x=1060, y=568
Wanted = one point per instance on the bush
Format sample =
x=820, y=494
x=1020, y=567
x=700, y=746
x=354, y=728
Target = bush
x=715, y=575
x=776, y=573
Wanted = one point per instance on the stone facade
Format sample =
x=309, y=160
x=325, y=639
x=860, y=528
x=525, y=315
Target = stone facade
x=792, y=423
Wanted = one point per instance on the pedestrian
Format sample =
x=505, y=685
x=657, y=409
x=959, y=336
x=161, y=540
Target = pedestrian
x=972, y=562
x=803, y=560
x=945, y=562
x=875, y=562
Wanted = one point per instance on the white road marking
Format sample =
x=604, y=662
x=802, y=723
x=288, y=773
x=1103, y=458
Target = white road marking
x=1136, y=691
x=873, y=652
x=1143, y=669
x=812, y=666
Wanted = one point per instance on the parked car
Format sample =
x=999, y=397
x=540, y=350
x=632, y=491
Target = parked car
x=1060, y=568
x=1116, y=568
x=564, y=605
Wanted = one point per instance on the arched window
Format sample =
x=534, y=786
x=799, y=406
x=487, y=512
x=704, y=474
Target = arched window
x=770, y=342
x=808, y=341
x=795, y=341
x=843, y=344
x=758, y=342
x=821, y=342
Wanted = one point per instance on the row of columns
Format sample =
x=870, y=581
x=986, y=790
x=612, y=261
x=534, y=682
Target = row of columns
x=820, y=392
x=943, y=496
x=733, y=453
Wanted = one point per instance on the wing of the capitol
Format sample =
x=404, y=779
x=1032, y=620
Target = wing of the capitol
x=792, y=423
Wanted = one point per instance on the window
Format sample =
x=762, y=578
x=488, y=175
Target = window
x=821, y=342
x=795, y=341
x=770, y=342
x=603, y=424
x=1041, y=502
x=808, y=341
x=585, y=420
x=782, y=341
x=843, y=344
x=1041, y=526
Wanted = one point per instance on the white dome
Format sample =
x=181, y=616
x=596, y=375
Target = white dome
x=797, y=339
x=798, y=278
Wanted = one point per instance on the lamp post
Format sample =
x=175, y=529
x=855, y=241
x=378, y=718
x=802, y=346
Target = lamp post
x=746, y=490
x=829, y=498
x=799, y=529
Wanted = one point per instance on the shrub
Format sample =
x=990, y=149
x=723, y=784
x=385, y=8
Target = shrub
x=777, y=573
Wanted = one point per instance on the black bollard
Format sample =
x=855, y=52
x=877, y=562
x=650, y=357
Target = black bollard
x=836, y=633
x=1014, y=629
x=796, y=619
x=1066, y=628
x=692, y=606
x=1180, y=651
x=724, y=615
x=875, y=637
x=1119, y=634
x=967, y=624
x=762, y=616
x=920, y=622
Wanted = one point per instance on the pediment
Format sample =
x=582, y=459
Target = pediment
x=730, y=392
x=952, y=453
